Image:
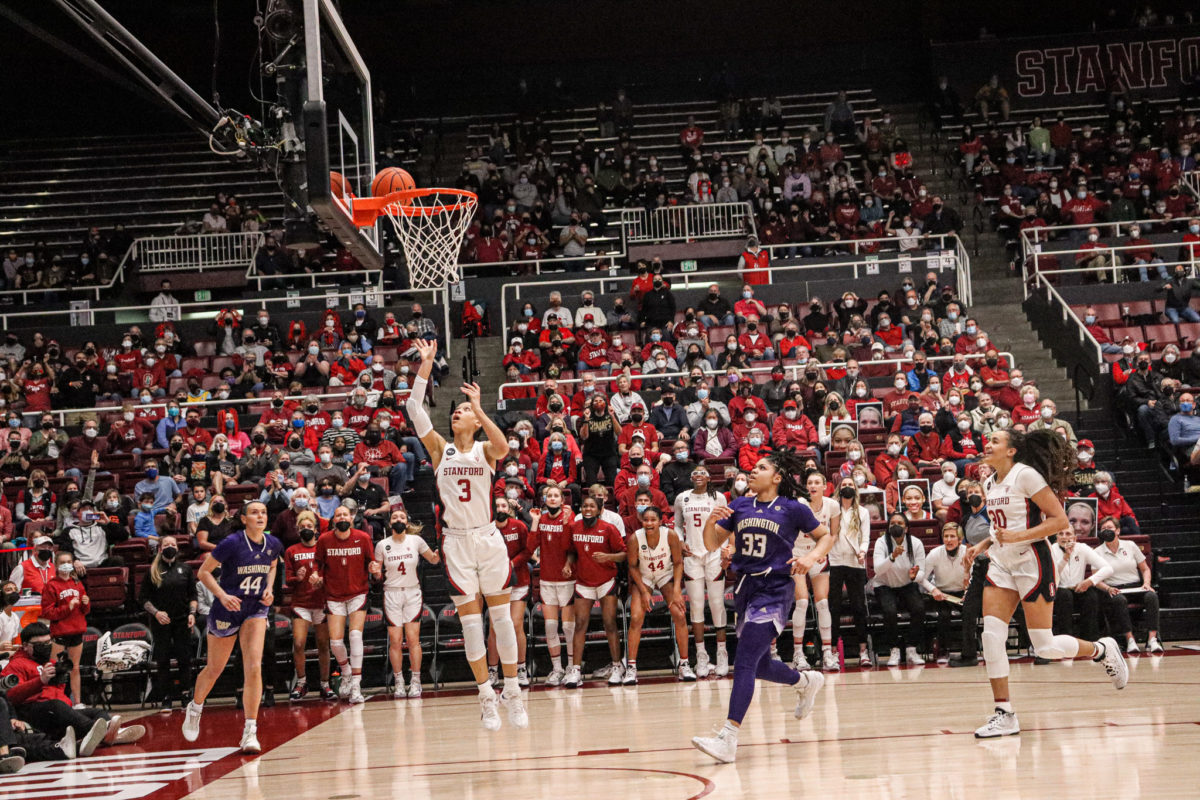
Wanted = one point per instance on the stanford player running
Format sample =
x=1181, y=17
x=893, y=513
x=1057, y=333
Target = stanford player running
x=594, y=548
x=342, y=561
x=704, y=577
x=475, y=553
x=308, y=605
x=1032, y=470
x=396, y=561
x=765, y=524
x=548, y=538
x=516, y=539
x=243, y=594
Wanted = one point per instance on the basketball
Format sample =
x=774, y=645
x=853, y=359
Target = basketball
x=338, y=186
x=391, y=179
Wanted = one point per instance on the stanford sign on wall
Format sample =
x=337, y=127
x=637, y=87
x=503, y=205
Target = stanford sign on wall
x=1154, y=62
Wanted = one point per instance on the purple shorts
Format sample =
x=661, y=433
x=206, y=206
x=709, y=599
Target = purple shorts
x=764, y=598
x=222, y=622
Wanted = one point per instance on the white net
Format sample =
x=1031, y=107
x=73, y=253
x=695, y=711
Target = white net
x=431, y=227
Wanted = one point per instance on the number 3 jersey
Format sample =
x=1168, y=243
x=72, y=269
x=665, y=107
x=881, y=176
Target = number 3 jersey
x=764, y=534
x=464, y=481
x=246, y=566
x=1010, y=506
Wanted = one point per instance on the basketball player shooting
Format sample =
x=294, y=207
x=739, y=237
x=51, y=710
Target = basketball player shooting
x=474, y=551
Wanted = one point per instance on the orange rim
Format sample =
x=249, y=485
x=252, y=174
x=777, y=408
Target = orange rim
x=366, y=210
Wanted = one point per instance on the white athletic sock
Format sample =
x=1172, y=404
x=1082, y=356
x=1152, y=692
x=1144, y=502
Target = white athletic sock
x=511, y=687
x=721, y=647
x=251, y=725
x=557, y=660
x=486, y=689
x=730, y=729
x=399, y=677
x=1004, y=706
x=799, y=618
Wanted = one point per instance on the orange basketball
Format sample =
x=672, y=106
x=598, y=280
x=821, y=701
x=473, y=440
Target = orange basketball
x=391, y=179
x=338, y=187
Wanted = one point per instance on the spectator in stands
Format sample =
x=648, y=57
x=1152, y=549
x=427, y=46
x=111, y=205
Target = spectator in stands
x=714, y=439
x=1107, y=345
x=752, y=264
x=48, y=440
x=214, y=220
x=1140, y=252
x=1048, y=419
x=82, y=452
x=164, y=306
x=839, y=116
x=992, y=96
x=1112, y=504
x=271, y=260
x=1129, y=582
x=573, y=238
x=1183, y=430
x=1180, y=290
x=1142, y=392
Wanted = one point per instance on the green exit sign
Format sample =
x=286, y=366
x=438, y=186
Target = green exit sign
x=203, y=295
x=687, y=266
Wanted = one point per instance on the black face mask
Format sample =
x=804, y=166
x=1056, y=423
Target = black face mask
x=501, y=516
x=327, y=491
x=218, y=507
x=373, y=437
x=926, y=429
x=847, y=492
x=342, y=525
x=895, y=531
x=307, y=534
x=41, y=652
x=11, y=598
x=975, y=501
x=44, y=555
x=590, y=522
x=169, y=553
x=294, y=443
x=635, y=461
x=39, y=484
x=399, y=527
x=1106, y=535
x=259, y=438
x=274, y=403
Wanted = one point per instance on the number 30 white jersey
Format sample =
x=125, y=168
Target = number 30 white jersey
x=464, y=481
x=1010, y=506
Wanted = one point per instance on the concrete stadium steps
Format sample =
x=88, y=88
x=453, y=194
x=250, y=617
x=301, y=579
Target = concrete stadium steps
x=52, y=190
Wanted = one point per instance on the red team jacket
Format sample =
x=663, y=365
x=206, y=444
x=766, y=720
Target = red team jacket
x=585, y=542
x=299, y=562
x=343, y=563
x=550, y=536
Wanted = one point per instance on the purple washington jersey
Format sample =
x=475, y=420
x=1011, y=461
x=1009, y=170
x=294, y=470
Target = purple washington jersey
x=245, y=574
x=764, y=535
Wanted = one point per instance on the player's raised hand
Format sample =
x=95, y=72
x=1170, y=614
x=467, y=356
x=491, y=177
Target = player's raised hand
x=471, y=390
x=426, y=348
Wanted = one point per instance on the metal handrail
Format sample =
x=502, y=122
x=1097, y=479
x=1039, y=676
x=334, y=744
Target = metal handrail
x=686, y=279
x=794, y=369
x=198, y=251
x=63, y=413
x=1114, y=268
x=374, y=277
x=1085, y=335
x=537, y=263
x=688, y=221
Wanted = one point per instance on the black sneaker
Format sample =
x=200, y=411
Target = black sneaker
x=166, y=704
x=327, y=693
x=268, y=699
x=299, y=692
x=964, y=661
x=1039, y=661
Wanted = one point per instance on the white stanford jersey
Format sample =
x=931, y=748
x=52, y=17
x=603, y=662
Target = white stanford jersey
x=464, y=481
x=655, y=564
x=1010, y=506
x=825, y=509
x=400, y=560
x=691, y=513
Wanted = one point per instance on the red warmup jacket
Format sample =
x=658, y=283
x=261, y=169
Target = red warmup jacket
x=748, y=456
x=516, y=539
x=30, y=689
x=924, y=447
x=304, y=594
x=56, y=606
x=1112, y=506
x=798, y=432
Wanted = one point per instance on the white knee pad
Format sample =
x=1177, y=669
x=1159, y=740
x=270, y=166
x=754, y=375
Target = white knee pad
x=506, y=633
x=1047, y=645
x=356, y=649
x=569, y=632
x=799, y=618
x=716, y=603
x=338, y=648
x=695, y=595
x=995, y=654
x=473, y=641
x=552, y=640
x=824, y=621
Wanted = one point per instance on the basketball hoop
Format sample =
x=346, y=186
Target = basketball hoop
x=430, y=224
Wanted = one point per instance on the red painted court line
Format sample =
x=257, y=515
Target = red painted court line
x=603, y=752
x=708, y=785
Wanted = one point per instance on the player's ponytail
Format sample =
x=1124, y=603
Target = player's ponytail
x=790, y=466
x=1047, y=453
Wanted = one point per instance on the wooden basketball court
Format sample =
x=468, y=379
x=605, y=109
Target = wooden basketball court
x=888, y=733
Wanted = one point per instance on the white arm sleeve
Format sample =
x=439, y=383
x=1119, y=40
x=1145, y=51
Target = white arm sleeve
x=415, y=406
